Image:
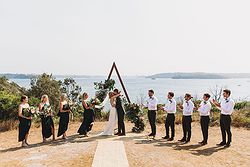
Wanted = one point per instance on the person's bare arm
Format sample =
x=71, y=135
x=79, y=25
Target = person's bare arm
x=115, y=96
x=40, y=107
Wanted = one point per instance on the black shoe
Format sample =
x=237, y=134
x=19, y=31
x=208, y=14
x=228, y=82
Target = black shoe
x=221, y=144
x=186, y=141
x=201, y=142
x=151, y=134
x=117, y=133
x=171, y=139
x=228, y=145
x=182, y=140
x=121, y=134
x=166, y=137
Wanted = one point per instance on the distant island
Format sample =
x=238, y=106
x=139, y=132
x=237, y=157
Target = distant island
x=29, y=76
x=199, y=75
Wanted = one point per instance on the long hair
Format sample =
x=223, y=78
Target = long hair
x=63, y=97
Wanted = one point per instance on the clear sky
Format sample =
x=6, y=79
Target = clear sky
x=142, y=36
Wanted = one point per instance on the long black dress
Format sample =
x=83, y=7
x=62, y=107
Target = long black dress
x=64, y=120
x=24, y=126
x=88, y=119
x=47, y=124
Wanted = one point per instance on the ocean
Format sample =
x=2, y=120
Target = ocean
x=137, y=87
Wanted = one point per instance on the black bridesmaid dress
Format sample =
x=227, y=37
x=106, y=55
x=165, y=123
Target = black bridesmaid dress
x=24, y=126
x=47, y=125
x=64, y=120
x=88, y=119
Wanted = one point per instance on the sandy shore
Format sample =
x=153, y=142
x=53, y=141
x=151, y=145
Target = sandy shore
x=77, y=151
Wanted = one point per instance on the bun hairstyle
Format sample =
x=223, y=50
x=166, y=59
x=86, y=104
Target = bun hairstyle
x=23, y=97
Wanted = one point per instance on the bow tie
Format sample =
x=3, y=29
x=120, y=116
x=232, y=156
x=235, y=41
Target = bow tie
x=227, y=100
x=170, y=101
x=205, y=102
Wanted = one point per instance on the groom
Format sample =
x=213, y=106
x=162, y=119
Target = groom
x=120, y=113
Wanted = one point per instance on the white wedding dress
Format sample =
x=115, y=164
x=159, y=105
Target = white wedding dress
x=113, y=119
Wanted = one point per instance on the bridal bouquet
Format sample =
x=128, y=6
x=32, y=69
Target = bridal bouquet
x=28, y=112
x=95, y=101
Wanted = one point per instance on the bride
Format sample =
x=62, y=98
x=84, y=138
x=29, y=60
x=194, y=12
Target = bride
x=109, y=129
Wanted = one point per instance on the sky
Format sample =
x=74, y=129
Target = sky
x=143, y=37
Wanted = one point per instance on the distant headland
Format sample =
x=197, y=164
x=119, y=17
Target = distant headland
x=200, y=75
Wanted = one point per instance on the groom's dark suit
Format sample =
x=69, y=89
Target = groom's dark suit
x=120, y=113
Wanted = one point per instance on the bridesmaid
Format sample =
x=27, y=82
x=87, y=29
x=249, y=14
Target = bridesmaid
x=46, y=117
x=24, y=121
x=64, y=116
x=88, y=117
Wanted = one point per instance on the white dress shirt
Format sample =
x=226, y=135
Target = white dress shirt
x=151, y=103
x=170, y=106
x=205, y=108
x=227, y=106
x=188, y=108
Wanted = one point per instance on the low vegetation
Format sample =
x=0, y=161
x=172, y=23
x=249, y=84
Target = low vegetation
x=46, y=84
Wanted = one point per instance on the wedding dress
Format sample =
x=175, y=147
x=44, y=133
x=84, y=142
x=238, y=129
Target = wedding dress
x=113, y=119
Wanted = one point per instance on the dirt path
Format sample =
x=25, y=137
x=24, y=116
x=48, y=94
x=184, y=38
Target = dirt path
x=78, y=151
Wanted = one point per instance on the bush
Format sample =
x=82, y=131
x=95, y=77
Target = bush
x=8, y=105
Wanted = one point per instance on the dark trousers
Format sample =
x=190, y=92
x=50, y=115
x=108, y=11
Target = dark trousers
x=170, y=122
x=204, y=121
x=186, y=127
x=225, y=126
x=121, y=125
x=152, y=121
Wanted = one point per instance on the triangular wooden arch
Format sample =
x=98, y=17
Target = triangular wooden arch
x=114, y=67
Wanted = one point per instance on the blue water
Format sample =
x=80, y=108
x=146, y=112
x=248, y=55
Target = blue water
x=137, y=86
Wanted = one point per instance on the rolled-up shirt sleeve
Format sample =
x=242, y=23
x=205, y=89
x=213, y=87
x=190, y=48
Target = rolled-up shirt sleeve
x=227, y=108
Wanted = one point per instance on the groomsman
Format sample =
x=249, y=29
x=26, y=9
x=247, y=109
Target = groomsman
x=151, y=104
x=170, y=108
x=204, y=110
x=188, y=108
x=226, y=107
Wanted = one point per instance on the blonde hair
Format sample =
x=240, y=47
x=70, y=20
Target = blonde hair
x=63, y=97
x=45, y=96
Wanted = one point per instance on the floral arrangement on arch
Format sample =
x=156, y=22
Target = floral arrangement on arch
x=134, y=114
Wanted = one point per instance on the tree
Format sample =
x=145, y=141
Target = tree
x=72, y=89
x=217, y=92
x=46, y=84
